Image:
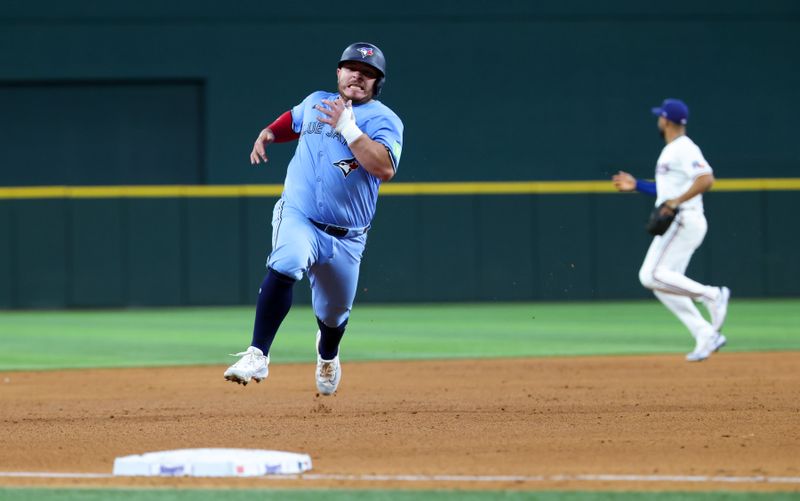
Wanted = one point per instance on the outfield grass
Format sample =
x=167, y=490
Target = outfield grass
x=372, y=495
x=150, y=337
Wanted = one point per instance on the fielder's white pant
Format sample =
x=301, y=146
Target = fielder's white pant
x=664, y=267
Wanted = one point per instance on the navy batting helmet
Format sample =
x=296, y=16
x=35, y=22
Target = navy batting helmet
x=368, y=54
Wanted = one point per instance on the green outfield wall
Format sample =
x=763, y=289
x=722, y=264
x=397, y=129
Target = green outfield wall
x=67, y=252
x=172, y=94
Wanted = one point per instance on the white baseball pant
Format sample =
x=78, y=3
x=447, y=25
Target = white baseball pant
x=665, y=264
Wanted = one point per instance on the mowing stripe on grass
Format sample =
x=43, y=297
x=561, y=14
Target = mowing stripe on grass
x=204, y=336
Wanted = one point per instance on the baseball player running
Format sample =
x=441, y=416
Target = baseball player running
x=349, y=143
x=682, y=176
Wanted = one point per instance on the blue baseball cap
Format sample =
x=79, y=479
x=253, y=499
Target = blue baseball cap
x=673, y=110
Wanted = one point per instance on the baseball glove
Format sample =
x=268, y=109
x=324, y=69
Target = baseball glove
x=660, y=219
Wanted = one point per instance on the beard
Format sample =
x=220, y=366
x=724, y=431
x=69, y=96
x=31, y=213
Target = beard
x=361, y=100
x=661, y=133
x=369, y=94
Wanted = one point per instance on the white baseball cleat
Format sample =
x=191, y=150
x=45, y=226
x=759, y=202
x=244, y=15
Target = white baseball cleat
x=329, y=373
x=718, y=309
x=706, y=346
x=253, y=365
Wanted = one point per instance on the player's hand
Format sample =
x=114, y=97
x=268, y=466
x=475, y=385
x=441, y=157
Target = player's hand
x=671, y=204
x=339, y=115
x=259, y=152
x=332, y=110
x=624, y=181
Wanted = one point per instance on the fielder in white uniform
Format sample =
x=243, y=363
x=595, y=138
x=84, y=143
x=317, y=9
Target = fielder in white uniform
x=682, y=176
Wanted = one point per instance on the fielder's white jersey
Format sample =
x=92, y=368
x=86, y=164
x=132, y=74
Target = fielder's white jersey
x=680, y=163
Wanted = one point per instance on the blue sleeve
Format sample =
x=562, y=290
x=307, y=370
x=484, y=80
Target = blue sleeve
x=646, y=187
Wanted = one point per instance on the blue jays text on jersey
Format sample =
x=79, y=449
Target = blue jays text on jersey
x=324, y=180
x=317, y=127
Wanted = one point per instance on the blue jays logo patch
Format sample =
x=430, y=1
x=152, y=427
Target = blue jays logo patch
x=697, y=164
x=365, y=51
x=346, y=166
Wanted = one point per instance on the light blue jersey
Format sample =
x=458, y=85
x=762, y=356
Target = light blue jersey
x=325, y=183
x=324, y=180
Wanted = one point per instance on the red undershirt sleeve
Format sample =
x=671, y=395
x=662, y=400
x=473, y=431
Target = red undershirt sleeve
x=282, y=128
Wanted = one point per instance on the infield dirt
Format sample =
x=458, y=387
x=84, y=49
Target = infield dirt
x=733, y=415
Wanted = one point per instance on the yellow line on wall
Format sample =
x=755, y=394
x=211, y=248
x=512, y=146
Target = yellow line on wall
x=567, y=187
x=390, y=189
x=784, y=184
x=497, y=188
x=150, y=191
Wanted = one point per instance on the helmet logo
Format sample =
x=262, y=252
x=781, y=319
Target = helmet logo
x=365, y=51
